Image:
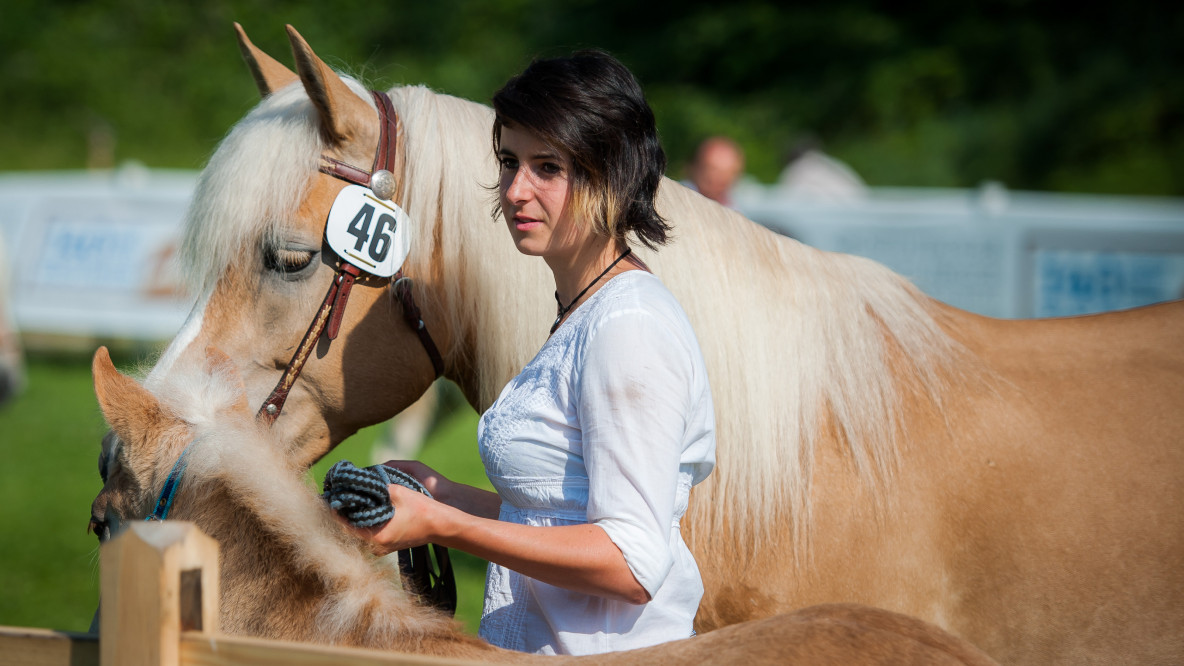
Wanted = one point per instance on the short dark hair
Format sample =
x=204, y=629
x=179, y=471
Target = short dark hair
x=592, y=107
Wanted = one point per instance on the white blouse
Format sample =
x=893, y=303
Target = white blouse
x=610, y=424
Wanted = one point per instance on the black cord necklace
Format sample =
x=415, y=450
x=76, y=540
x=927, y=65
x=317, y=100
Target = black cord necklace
x=564, y=309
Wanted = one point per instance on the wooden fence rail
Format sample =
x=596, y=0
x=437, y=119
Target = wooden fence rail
x=160, y=608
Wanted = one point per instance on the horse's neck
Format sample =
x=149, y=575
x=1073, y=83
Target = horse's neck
x=270, y=589
x=264, y=592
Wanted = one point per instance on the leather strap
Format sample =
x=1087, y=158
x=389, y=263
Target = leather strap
x=343, y=171
x=274, y=404
x=411, y=315
x=436, y=584
x=346, y=276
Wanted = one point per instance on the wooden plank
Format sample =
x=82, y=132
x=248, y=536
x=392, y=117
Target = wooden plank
x=202, y=650
x=22, y=646
x=142, y=598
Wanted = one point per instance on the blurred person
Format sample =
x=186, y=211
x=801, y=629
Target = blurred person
x=717, y=165
x=812, y=174
x=12, y=363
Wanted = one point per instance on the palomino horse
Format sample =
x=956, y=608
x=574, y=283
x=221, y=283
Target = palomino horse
x=1016, y=483
x=288, y=571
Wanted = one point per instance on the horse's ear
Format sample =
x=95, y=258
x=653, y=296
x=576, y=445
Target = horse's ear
x=217, y=362
x=131, y=411
x=339, y=108
x=270, y=75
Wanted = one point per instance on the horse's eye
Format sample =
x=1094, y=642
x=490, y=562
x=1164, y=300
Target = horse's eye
x=287, y=260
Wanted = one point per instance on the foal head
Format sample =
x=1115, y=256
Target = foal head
x=287, y=569
x=150, y=431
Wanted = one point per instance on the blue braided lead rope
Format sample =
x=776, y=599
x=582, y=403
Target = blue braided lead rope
x=360, y=494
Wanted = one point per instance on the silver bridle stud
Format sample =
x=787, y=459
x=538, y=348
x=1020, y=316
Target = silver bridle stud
x=382, y=183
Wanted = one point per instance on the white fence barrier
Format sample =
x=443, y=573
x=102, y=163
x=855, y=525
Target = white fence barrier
x=92, y=253
x=1000, y=253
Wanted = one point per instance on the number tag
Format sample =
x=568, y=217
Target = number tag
x=368, y=232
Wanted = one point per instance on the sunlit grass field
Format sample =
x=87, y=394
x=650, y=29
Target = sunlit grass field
x=49, y=442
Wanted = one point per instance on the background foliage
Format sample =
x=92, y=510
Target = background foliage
x=1039, y=95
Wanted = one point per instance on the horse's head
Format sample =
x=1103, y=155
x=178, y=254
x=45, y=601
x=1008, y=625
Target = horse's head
x=150, y=431
x=255, y=247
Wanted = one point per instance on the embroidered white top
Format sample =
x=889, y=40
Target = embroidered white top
x=610, y=424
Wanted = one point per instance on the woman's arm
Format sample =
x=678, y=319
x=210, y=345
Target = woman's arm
x=581, y=558
x=468, y=499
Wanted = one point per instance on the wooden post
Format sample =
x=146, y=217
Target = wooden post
x=158, y=579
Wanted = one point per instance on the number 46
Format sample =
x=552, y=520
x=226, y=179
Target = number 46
x=360, y=229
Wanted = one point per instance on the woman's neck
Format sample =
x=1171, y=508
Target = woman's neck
x=573, y=273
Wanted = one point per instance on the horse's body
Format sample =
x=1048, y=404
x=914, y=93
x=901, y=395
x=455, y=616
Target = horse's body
x=288, y=571
x=1014, y=482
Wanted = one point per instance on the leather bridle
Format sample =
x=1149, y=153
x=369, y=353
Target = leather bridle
x=436, y=585
x=328, y=318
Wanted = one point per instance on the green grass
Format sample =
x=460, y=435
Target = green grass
x=49, y=441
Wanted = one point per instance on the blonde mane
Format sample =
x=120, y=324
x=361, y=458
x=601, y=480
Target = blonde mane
x=236, y=455
x=799, y=343
x=792, y=336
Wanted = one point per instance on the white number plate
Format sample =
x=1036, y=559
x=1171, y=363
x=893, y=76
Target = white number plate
x=368, y=232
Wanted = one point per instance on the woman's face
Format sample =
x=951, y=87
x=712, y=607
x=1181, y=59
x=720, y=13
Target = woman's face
x=535, y=188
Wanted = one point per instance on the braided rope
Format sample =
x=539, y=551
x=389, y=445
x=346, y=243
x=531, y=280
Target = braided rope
x=360, y=494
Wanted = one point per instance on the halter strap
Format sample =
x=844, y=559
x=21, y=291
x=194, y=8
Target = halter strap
x=169, y=490
x=329, y=316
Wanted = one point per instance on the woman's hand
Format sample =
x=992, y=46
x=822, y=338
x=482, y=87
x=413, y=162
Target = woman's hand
x=467, y=498
x=416, y=516
x=436, y=483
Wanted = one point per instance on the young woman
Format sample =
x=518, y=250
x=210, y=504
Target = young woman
x=594, y=447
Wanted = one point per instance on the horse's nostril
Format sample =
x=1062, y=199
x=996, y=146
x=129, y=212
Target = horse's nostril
x=99, y=528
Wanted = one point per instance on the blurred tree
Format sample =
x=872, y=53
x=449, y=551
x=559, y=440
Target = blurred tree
x=1039, y=95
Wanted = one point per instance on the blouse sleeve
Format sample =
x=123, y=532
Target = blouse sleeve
x=635, y=396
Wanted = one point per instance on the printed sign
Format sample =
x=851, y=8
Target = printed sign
x=1075, y=282
x=368, y=232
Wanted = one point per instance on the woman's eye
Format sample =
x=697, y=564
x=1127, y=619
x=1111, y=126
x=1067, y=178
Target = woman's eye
x=284, y=260
x=509, y=164
x=551, y=169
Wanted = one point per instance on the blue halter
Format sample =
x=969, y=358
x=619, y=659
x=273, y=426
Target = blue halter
x=165, y=501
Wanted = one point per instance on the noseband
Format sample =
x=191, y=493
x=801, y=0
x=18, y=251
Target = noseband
x=328, y=318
